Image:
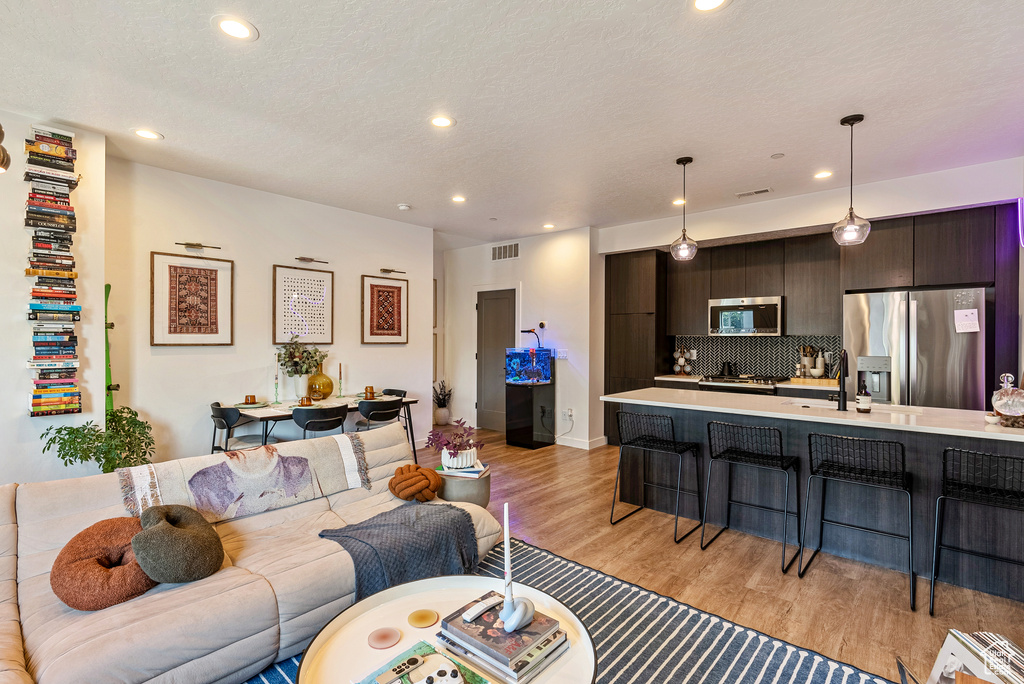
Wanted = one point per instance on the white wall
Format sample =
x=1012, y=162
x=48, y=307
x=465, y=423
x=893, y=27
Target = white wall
x=983, y=183
x=21, y=459
x=552, y=282
x=150, y=209
x=439, y=328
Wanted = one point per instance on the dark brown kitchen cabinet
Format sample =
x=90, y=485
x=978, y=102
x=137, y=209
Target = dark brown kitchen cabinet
x=632, y=341
x=729, y=271
x=637, y=344
x=955, y=247
x=689, y=288
x=636, y=281
x=884, y=260
x=814, y=302
x=765, y=269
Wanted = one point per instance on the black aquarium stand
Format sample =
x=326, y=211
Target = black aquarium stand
x=530, y=417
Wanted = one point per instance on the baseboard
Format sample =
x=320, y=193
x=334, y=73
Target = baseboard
x=598, y=442
x=575, y=443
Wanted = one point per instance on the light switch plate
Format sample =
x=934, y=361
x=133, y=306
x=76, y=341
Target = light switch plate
x=563, y=353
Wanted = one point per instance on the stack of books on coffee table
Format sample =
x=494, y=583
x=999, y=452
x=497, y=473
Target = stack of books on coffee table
x=484, y=645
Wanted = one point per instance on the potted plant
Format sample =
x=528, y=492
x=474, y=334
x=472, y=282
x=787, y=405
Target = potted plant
x=442, y=397
x=299, y=361
x=457, y=448
x=127, y=441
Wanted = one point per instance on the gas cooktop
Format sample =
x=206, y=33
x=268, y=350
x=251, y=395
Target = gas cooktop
x=745, y=379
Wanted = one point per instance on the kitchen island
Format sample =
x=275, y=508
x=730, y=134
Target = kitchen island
x=925, y=432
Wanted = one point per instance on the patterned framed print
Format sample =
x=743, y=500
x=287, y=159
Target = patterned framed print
x=190, y=300
x=303, y=305
x=385, y=310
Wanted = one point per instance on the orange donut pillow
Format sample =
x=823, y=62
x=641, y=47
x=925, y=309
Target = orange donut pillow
x=414, y=482
x=97, y=568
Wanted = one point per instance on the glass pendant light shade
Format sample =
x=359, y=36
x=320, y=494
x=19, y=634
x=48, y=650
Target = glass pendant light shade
x=684, y=248
x=852, y=230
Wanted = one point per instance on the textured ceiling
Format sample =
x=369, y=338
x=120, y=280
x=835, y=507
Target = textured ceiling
x=569, y=113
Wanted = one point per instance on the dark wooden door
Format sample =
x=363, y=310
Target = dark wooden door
x=765, y=269
x=495, y=332
x=885, y=260
x=635, y=277
x=728, y=272
x=689, y=288
x=814, y=302
x=955, y=248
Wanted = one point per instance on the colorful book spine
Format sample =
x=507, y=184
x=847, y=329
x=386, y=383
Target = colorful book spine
x=53, y=307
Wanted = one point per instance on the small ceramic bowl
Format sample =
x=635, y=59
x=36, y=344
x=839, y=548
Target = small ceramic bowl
x=991, y=418
x=817, y=372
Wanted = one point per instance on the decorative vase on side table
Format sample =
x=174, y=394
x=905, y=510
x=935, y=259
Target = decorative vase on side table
x=461, y=459
x=442, y=416
x=320, y=386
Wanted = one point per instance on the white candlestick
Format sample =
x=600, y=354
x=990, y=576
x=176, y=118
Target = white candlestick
x=508, y=561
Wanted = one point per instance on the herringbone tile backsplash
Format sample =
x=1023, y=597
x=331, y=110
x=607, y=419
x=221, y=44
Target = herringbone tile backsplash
x=755, y=355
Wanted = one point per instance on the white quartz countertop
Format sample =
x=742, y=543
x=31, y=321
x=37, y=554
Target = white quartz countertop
x=908, y=418
x=680, y=378
x=801, y=386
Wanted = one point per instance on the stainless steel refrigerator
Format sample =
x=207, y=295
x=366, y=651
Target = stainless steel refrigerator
x=907, y=348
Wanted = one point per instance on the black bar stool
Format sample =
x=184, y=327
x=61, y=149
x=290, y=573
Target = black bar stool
x=757, y=447
x=978, y=478
x=867, y=462
x=655, y=434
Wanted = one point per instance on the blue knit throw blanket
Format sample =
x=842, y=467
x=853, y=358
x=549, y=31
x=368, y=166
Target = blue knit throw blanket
x=411, y=542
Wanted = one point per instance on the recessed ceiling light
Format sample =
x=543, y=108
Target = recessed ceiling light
x=458, y=198
x=823, y=174
x=778, y=155
x=549, y=225
x=443, y=121
x=708, y=5
x=678, y=202
x=235, y=27
x=147, y=134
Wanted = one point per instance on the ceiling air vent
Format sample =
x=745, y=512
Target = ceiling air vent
x=505, y=252
x=751, y=193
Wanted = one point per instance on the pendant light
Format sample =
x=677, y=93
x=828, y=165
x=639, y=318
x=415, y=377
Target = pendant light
x=852, y=229
x=684, y=248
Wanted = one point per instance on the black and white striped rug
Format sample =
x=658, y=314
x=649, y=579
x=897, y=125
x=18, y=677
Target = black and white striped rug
x=644, y=638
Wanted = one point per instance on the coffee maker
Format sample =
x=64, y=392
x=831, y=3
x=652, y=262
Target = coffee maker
x=875, y=372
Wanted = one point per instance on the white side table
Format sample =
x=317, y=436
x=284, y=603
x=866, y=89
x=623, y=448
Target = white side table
x=340, y=654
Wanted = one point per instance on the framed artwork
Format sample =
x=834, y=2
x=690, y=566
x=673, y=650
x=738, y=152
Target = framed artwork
x=190, y=300
x=303, y=305
x=435, y=302
x=435, y=355
x=385, y=310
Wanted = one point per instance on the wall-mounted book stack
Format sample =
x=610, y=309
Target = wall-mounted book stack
x=53, y=309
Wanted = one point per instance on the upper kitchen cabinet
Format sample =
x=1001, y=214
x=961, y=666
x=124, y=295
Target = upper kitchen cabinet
x=954, y=247
x=634, y=281
x=689, y=288
x=814, y=302
x=884, y=260
x=728, y=272
x=765, y=269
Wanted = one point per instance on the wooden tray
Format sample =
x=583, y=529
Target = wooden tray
x=821, y=382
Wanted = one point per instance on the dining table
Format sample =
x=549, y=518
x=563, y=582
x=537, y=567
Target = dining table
x=270, y=413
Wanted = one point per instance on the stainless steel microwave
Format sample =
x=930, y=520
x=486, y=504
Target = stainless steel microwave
x=746, y=317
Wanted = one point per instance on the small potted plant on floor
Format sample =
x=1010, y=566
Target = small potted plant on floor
x=457, y=448
x=442, y=397
x=299, y=361
x=127, y=441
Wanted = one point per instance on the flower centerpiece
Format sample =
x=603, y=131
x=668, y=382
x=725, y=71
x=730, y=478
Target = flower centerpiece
x=442, y=398
x=457, y=448
x=299, y=361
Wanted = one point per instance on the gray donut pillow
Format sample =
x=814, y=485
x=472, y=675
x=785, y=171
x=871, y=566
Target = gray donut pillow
x=177, y=544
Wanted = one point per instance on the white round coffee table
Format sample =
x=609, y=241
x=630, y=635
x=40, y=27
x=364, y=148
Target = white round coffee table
x=339, y=654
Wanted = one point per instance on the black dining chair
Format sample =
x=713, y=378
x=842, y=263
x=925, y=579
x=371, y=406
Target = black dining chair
x=320, y=419
x=378, y=412
x=226, y=419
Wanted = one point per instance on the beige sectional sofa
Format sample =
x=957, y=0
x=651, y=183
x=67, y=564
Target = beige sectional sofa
x=279, y=585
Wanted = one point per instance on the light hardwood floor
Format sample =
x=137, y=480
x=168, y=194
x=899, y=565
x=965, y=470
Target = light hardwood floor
x=850, y=611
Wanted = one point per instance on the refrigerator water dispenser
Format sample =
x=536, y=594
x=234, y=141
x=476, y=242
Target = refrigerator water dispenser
x=875, y=372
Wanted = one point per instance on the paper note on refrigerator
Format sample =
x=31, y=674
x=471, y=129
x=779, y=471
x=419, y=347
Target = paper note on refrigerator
x=966, y=320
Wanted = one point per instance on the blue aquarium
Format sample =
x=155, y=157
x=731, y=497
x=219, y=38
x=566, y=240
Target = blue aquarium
x=525, y=366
